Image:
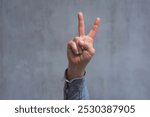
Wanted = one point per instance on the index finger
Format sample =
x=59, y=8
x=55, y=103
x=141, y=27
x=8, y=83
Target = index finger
x=81, y=26
x=94, y=29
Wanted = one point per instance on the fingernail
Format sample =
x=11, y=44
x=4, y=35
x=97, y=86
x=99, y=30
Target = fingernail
x=80, y=13
x=98, y=18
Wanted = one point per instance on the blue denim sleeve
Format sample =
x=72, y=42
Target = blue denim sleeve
x=76, y=89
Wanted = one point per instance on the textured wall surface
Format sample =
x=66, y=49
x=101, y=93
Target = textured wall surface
x=33, y=39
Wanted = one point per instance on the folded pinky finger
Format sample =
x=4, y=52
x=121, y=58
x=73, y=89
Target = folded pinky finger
x=72, y=46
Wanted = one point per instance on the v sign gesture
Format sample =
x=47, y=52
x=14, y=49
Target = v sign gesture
x=80, y=49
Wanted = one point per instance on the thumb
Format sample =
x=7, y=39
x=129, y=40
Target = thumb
x=87, y=47
x=83, y=45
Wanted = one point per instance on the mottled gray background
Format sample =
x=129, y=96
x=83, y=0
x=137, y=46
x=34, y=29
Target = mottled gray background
x=33, y=39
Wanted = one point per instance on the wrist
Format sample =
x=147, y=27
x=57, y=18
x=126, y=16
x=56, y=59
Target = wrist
x=73, y=72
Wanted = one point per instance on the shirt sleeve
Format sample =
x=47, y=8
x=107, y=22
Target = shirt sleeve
x=75, y=89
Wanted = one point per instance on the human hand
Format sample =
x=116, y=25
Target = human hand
x=80, y=49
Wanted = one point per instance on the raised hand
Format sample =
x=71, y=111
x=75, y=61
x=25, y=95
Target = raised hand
x=80, y=49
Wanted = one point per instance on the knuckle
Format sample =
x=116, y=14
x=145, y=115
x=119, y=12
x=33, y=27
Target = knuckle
x=76, y=39
x=92, y=51
x=70, y=43
x=95, y=28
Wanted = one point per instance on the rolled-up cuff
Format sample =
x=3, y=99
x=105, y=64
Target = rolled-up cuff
x=75, y=89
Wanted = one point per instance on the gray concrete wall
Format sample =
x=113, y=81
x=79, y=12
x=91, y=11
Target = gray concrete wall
x=33, y=39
